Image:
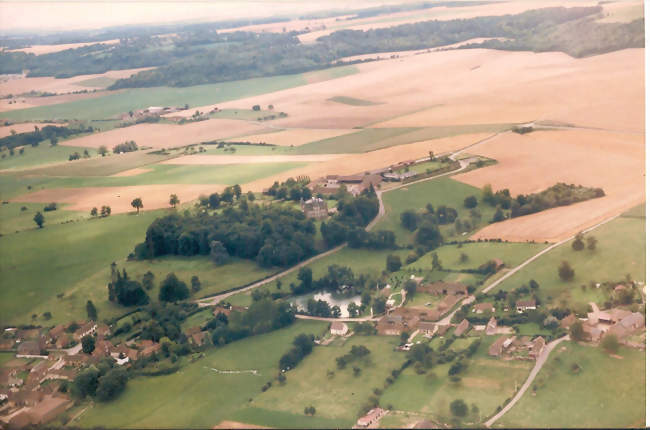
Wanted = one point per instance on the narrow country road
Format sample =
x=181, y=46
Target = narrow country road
x=538, y=365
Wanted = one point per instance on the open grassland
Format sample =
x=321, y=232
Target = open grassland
x=36, y=265
x=118, y=102
x=188, y=398
x=606, y=392
x=39, y=155
x=168, y=135
x=486, y=383
x=340, y=397
x=442, y=191
x=477, y=254
x=611, y=161
x=214, y=279
x=50, y=84
x=620, y=251
x=622, y=11
x=13, y=218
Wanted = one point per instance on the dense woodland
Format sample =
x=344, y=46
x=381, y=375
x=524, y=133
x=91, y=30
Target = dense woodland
x=200, y=55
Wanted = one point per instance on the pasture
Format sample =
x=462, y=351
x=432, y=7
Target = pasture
x=442, y=191
x=37, y=265
x=620, y=251
x=485, y=383
x=187, y=398
x=13, y=218
x=39, y=155
x=340, y=397
x=605, y=392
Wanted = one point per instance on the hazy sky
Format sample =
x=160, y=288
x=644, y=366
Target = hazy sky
x=74, y=15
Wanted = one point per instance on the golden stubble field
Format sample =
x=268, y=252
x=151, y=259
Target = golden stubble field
x=168, y=135
x=49, y=49
x=472, y=87
x=530, y=163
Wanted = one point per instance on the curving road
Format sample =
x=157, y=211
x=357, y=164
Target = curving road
x=538, y=366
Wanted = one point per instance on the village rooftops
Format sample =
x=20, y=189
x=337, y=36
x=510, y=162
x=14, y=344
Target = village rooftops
x=484, y=307
x=496, y=349
x=491, y=326
x=372, y=416
x=461, y=328
x=338, y=328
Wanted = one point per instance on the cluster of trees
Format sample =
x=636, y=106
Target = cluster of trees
x=128, y=146
x=440, y=216
x=34, y=138
x=229, y=195
x=357, y=352
x=105, y=211
x=560, y=194
x=338, y=279
x=261, y=317
x=270, y=235
x=578, y=243
x=103, y=382
x=125, y=291
x=302, y=347
x=291, y=189
x=353, y=213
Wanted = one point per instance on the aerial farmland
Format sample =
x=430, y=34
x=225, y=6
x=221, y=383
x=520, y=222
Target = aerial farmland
x=283, y=214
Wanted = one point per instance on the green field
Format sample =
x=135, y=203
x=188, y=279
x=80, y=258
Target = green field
x=607, y=392
x=36, y=265
x=372, y=139
x=123, y=101
x=98, y=82
x=352, y=101
x=486, y=382
x=442, y=191
x=13, y=219
x=42, y=154
x=340, y=397
x=196, y=396
x=478, y=253
x=620, y=251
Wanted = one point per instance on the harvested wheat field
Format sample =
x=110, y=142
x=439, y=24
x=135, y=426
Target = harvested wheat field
x=48, y=49
x=530, y=163
x=118, y=198
x=349, y=164
x=168, y=135
x=30, y=102
x=198, y=159
x=51, y=84
x=237, y=425
x=297, y=136
x=469, y=87
x=24, y=127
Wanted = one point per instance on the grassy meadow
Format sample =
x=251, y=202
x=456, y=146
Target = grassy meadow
x=13, y=218
x=606, y=392
x=197, y=396
x=620, y=251
x=39, y=155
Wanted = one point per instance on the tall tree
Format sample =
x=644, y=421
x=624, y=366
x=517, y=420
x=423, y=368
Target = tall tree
x=39, y=219
x=91, y=310
x=173, y=200
x=137, y=204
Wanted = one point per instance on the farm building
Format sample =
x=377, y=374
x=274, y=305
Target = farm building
x=461, y=328
x=314, y=208
x=370, y=418
x=536, y=347
x=339, y=328
x=427, y=328
x=440, y=288
x=567, y=321
x=483, y=307
x=499, y=345
x=526, y=305
x=491, y=327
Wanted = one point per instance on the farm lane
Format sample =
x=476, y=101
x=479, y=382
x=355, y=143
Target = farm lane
x=538, y=366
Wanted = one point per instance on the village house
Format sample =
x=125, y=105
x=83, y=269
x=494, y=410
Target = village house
x=427, y=328
x=526, y=305
x=400, y=320
x=500, y=345
x=200, y=338
x=491, y=327
x=31, y=348
x=461, y=328
x=627, y=326
x=85, y=330
x=483, y=307
x=592, y=333
x=339, y=328
x=567, y=321
x=536, y=348
x=148, y=348
x=370, y=418
x=442, y=329
x=314, y=208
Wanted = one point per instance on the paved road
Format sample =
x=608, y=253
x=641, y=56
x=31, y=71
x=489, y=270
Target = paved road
x=538, y=366
x=539, y=254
